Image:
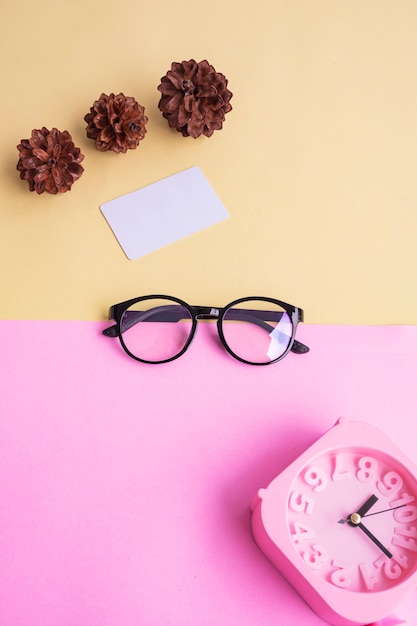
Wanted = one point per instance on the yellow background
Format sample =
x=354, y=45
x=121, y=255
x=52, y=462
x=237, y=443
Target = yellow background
x=315, y=164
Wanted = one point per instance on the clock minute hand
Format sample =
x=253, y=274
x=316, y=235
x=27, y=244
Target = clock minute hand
x=356, y=520
x=374, y=539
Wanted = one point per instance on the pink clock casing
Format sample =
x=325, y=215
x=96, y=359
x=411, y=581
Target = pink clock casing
x=271, y=525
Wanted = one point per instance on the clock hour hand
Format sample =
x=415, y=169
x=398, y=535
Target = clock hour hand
x=355, y=520
x=367, y=505
x=361, y=512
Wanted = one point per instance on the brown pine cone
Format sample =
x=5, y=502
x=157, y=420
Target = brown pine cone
x=195, y=98
x=116, y=123
x=49, y=161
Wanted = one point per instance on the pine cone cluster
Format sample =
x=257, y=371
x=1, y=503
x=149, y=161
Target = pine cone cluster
x=116, y=123
x=195, y=98
x=49, y=161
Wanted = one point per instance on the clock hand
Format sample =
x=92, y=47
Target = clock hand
x=366, y=506
x=393, y=508
x=385, y=510
x=374, y=539
x=355, y=519
x=362, y=510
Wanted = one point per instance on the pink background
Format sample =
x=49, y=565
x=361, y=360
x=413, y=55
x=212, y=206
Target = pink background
x=125, y=488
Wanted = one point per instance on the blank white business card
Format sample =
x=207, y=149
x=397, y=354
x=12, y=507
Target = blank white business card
x=159, y=214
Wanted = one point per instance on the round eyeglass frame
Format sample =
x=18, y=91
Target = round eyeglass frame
x=199, y=312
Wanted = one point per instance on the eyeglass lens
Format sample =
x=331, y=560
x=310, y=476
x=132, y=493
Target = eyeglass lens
x=158, y=329
x=257, y=331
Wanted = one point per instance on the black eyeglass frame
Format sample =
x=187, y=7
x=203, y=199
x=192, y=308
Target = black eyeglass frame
x=116, y=312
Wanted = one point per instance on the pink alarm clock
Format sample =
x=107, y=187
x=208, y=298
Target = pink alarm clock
x=340, y=523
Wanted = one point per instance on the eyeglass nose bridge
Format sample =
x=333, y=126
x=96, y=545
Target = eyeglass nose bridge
x=206, y=313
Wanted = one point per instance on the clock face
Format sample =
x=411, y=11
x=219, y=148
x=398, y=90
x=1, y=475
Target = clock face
x=352, y=519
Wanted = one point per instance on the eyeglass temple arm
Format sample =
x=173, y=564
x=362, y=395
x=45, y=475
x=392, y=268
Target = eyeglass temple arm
x=255, y=316
x=131, y=318
x=172, y=313
x=166, y=313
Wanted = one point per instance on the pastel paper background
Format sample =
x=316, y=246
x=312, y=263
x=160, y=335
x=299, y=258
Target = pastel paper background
x=315, y=163
x=125, y=488
x=163, y=212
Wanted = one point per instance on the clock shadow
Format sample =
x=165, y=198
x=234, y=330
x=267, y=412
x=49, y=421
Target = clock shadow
x=269, y=456
x=243, y=560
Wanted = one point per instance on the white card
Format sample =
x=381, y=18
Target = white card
x=163, y=212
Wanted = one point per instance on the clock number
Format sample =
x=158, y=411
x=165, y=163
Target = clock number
x=405, y=498
x=405, y=542
x=406, y=538
x=368, y=578
x=301, y=503
x=316, y=478
x=406, y=514
x=302, y=533
x=390, y=567
x=401, y=559
x=391, y=483
x=340, y=576
x=339, y=473
x=408, y=531
x=367, y=468
x=316, y=557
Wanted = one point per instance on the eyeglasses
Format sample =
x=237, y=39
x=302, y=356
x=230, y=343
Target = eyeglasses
x=254, y=330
